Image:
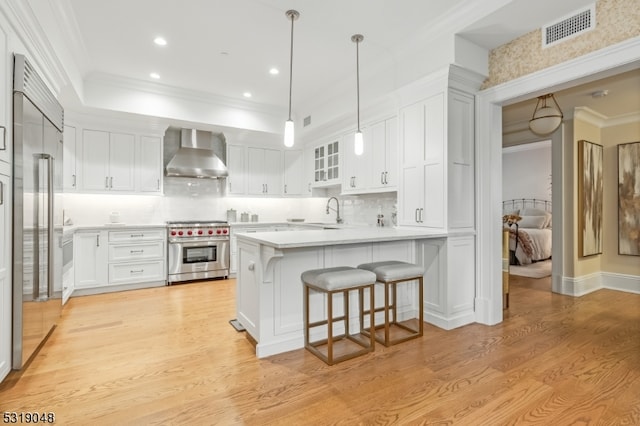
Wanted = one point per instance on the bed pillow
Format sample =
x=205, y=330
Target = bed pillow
x=537, y=222
x=530, y=211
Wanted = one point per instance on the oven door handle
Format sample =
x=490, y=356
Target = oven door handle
x=207, y=243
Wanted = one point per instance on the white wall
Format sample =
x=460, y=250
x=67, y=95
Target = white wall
x=526, y=171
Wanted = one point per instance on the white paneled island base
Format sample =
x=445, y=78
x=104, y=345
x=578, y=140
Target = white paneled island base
x=269, y=292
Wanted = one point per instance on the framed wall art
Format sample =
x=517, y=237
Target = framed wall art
x=590, y=192
x=629, y=198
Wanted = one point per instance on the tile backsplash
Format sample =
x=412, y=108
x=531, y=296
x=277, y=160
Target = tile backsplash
x=203, y=200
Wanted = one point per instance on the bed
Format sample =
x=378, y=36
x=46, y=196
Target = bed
x=529, y=237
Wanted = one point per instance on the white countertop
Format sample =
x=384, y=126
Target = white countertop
x=326, y=237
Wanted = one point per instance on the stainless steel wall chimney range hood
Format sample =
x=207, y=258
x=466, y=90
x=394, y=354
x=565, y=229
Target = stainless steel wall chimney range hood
x=196, y=157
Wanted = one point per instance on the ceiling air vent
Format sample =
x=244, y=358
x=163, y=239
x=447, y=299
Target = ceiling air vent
x=568, y=27
x=307, y=121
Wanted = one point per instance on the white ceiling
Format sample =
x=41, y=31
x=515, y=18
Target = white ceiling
x=226, y=48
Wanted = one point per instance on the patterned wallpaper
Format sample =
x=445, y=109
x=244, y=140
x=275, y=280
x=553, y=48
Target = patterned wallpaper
x=616, y=21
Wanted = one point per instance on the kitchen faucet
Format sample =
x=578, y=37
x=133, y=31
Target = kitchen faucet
x=337, y=209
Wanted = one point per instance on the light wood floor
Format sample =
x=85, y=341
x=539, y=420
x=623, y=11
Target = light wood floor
x=169, y=356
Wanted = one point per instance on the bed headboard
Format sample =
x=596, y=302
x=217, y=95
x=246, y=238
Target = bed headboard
x=520, y=203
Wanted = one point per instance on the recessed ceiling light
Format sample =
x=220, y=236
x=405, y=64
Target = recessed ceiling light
x=246, y=94
x=154, y=75
x=160, y=41
x=274, y=71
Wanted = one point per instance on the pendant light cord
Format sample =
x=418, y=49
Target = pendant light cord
x=358, y=80
x=291, y=65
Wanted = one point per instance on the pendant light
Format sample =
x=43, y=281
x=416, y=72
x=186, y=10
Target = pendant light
x=288, y=125
x=358, y=142
x=546, y=117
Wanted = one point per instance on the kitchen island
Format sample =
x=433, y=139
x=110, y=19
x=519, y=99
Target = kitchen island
x=269, y=290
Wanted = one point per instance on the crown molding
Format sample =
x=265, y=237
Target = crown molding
x=589, y=116
x=39, y=50
x=72, y=34
x=546, y=144
x=630, y=118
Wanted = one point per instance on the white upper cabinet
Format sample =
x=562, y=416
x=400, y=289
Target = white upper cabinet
x=437, y=161
x=5, y=98
x=355, y=175
x=422, y=194
x=70, y=171
x=293, y=173
x=326, y=164
x=376, y=169
x=95, y=160
x=265, y=171
x=149, y=164
x=108, y=161
x=236, y=164
x=121, y=162
x=384, y=155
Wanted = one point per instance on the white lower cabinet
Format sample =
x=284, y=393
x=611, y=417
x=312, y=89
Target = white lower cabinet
x=108, y=258
x=5, y=271
x=137, y=256
x=90, y=259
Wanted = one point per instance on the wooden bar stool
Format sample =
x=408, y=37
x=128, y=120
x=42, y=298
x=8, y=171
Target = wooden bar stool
x=390, y=274
x=341, y=279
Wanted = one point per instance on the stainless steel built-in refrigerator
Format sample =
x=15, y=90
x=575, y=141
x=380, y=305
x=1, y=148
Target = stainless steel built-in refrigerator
x=37, y=211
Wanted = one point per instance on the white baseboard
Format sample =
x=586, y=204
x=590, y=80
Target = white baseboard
x=579, y=286
x=621, y=282
x=451, y=322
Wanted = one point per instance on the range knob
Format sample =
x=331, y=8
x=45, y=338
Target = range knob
x=210, y=231
x=189, y=232
x=180, y=233
x=218, y=231
x=199, y=231
x=173, y=232
x=225, y=231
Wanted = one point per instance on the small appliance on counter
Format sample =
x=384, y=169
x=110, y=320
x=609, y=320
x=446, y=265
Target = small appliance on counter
x=254, y=218
x=244, y=217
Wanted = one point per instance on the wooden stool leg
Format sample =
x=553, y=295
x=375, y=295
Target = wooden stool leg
x=386, y=313
x=346, y=313
x=372, y=326
x=330, y=327
x=395, y=302
x=306, y=315
x=421, y=304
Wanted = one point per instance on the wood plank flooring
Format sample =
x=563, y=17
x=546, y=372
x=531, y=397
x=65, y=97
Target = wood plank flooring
x=169, y=356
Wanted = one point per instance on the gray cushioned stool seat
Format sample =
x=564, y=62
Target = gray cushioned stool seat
x=390, y=273
x=393, y=270
x=332, y=281
x=338, y=278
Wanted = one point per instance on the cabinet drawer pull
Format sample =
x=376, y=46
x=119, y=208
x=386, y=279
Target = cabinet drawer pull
x=1, y=193
x=285, y=188
x=106, y=182
x=136, y=251
x=4, y=138
x=386, y=176
x=111, y=182
x=136, y=235
x=382, y=178
x=98, y=240
x=74, y=180
x=309, y=187
x=136, y=271
x=417, y=216
x=158, y=180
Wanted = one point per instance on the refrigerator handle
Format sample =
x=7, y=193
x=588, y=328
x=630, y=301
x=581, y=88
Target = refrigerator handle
x=50, y=242
x=4, y=138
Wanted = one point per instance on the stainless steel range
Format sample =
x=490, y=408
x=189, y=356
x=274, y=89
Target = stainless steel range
x=197, y=250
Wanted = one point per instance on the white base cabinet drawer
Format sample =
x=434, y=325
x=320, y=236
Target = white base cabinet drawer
x=136, y=252
x=129, y=273
x=137, y=235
